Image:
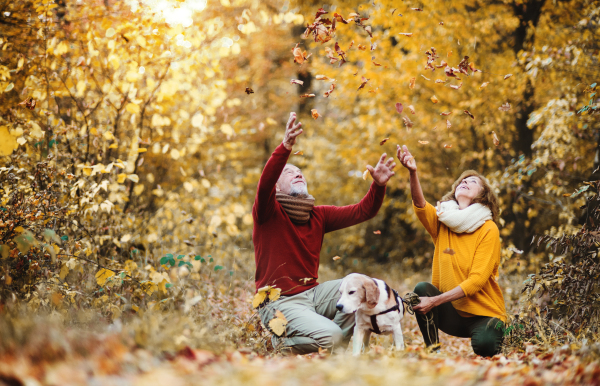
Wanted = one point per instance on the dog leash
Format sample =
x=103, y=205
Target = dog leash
x=412, y=300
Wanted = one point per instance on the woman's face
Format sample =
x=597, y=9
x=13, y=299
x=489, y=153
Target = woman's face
x=468, y=188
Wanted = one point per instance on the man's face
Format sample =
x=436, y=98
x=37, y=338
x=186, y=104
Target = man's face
x=292, y=181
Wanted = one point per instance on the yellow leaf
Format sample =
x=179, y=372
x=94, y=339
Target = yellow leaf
x=278, y=324
x=142, y=150
x=259, y=298
x=113, y=146
x=121, y=178
x=103, y=275
x=274, y=294
x=132, y=108
x=19, y=229
x=8, y=143
x=134, y=177
x=108, y=135
x=434, y=99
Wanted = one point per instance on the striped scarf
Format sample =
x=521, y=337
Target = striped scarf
x=298, y=209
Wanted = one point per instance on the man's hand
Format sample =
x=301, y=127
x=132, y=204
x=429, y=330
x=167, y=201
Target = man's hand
x=291, y=132
x=383, y=170
x=426, y=305
x=405, y=158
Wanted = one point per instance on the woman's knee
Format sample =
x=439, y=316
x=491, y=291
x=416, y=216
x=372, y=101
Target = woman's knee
x=487, y=345
x=423, y=288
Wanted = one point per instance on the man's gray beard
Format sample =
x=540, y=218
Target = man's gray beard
x=299, y=191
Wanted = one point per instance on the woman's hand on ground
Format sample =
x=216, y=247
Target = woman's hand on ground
x=405, y=158
x=383, y=171
x=426, y=305
x=291, y=132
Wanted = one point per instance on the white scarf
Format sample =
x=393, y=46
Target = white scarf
x=466, y=220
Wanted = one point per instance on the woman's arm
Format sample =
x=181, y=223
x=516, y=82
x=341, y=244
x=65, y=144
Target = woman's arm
x=427, y=303
x=408, y=161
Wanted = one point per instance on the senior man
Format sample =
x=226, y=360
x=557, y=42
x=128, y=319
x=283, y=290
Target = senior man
x=288, y=236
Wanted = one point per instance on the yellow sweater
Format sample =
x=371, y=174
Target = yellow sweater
x=473, y=266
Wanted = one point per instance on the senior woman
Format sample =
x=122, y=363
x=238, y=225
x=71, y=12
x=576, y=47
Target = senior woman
x=463, y=298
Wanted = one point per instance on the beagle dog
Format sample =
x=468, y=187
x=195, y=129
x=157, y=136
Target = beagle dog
x=378, y=309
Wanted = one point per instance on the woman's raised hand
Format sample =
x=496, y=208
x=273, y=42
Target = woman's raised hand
x=405, y=158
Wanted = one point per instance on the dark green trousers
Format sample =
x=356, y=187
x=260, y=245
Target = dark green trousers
x=486, y=333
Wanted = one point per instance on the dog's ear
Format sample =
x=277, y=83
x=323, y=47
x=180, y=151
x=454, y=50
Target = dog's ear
x=372, y=293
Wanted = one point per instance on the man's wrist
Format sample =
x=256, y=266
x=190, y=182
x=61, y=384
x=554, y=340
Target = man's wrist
x=287, y=146
x=378, y=184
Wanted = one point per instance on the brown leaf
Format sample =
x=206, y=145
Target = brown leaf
x=507, y=76
x=449, y=251
x=299, y=152
x=407, y=122
x=455, y=86
x=448, y=124
x=495, y=139
x=445, y=114
x=323, y=77
x=249, y=91
x=423, y=142
x=315, y=114
x=341, y=53
x=383, y=141
x=434, y=99
x=441, y=23
x=361, y=47
x=505, y=107
x=417, y=9
x=29, y=103
x=296, y=81
x=307, y=95
x=412, y=109
x=484, y=85
x=377, y=232
x=469, y=114
x=411, y=85
x=399, y=107
x=299, y=55
x=331, y=88
x=363, y=83
x=376, y=64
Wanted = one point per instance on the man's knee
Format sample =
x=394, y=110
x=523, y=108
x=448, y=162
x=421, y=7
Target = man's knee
x=330, y=338
x=423, y=288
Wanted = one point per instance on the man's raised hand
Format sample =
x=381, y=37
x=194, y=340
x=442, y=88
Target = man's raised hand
x=405, y=158
x=383, y=171
x=291, y=132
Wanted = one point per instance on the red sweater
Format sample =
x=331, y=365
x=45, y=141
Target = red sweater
x=286, y=253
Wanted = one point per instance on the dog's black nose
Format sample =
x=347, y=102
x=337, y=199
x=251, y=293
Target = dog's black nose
x=339, y=306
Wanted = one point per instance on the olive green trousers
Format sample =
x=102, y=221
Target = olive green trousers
x=313, y=320
x=486, y=333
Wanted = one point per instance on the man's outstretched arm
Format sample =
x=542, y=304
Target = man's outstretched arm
x=338, y=217
x=264, y=203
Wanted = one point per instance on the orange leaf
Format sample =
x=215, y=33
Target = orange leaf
x=383, y=141
x=377, y=232
x=434, y=99
x=315, y=114
x=423, y=142
x=412, y=83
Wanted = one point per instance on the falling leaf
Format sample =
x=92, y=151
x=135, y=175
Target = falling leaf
x=315, y=114
x=399, y=107
x=484, y=85
x=331, y=88
x=361, y=47
x=277, y=324
x=495, y=139
x=455, y=86
x=507, y=76
x=323, y=77
x=417, y=9
x=449, y=53
x=447, y=146
x=445, y=114
x=299, y=152
x=249, y=91
x=412, y=109
x=29, y=103
x=441, y=23
x=383, y=141
x=299, y=56
x=411, y=85
x=407, y=122
x=376, y=64
x=406, y=33
x=377, y=232
x=449, y=251
x=336, y=258
x=425, y=77
x=363, y=83
x=505, y=107
x=296, y=81
x=448, y=124
x=351, y=44
x=423, y=142
x=469, y=114
x=366, y=174
x=440, y=81
x=341, y=53
x=434, y=99
x=307, y=95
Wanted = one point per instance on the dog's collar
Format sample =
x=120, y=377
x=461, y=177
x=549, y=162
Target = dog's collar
x=375, y=328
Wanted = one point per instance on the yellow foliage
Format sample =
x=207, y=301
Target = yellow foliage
x=103, y=275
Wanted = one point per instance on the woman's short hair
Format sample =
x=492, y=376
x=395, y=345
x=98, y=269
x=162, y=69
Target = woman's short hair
x=487, y=196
